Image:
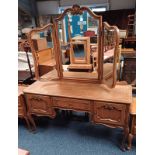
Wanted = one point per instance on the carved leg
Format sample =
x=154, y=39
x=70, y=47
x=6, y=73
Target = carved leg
x=126, y=133
x=32, y=122
x=130, y=137
x=28, y=123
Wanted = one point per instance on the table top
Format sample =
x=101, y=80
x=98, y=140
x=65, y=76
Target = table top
x=87, y=91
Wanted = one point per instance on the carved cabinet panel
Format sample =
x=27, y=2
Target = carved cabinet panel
x=109, y=113
x=21, y=106
x=39, y=104
x=73, y=104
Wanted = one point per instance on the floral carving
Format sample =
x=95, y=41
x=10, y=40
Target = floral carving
x=76, y=10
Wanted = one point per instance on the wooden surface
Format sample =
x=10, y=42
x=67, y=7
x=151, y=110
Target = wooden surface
x=40, y=44
x=20, y=89
x=133, y=107
x=127, y=50
x=91, y=75
x=106, y=106
x=80, y=66
x=22, y=110
x=76, y=9
x=133, y=123
x=99, y=92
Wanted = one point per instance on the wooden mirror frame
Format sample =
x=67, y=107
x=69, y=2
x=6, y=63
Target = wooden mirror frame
x=34, y=53
x=116, y=50
x=77, y=10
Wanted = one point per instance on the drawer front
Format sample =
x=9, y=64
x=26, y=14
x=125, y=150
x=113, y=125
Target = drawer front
x=39, y=104
x=109, y=113
x=73, y=104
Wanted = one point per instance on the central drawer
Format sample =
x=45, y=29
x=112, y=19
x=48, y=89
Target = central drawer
x=73, y=104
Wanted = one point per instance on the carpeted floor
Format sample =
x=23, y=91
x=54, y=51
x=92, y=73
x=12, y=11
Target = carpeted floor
x=71, y=137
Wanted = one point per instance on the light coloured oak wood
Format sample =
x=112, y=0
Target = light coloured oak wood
x=99, y=92
x=133, y=107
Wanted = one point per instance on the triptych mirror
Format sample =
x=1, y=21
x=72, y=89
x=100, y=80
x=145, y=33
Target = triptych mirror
x=79, y=46
x=78, y=37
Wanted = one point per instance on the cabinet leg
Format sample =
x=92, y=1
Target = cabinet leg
x=28, y=123
x=130, y=137
x=126, y=133
x=32, y=122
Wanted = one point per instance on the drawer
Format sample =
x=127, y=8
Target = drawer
x=109, y=113
x=39, y=104
x=73, y=104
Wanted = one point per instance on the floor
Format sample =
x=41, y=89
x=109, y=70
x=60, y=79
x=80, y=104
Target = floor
x=71, y=137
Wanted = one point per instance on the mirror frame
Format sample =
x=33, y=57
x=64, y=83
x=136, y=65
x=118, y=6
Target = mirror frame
x=116, y=51
x=34, y=52
x=77, y=10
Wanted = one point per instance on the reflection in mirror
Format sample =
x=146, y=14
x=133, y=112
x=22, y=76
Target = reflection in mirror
x=78, y=35
x=111, y=54
x=42, y=46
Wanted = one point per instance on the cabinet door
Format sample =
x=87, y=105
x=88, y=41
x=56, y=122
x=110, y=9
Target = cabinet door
x=109, y=113
x=39, y=104
x=21, y=106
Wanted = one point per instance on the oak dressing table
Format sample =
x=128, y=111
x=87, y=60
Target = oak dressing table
x=82, y=91
x=106, y=106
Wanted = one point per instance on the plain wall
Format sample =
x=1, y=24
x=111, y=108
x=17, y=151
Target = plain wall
x=122, y=4
x=51, y=7
x=47, y=7
x=81, y=2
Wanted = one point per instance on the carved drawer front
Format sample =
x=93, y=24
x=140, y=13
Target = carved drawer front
x=110, y=113
x=74, y=104
x=39, y=104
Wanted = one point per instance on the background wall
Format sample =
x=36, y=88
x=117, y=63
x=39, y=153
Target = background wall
x=47, y=7
x=51, y=7
x=122, y=4
x=81, y=2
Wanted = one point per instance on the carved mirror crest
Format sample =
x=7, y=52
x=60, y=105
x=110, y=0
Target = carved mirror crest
x=78, y=40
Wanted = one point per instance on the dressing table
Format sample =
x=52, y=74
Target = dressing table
x=107, y=104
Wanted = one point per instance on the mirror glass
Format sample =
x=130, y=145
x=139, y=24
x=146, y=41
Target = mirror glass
x=43, y=47
x=111, y=54
x=78, y=38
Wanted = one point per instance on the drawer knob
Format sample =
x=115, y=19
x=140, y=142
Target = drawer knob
x=109, y=107
x=36, y=98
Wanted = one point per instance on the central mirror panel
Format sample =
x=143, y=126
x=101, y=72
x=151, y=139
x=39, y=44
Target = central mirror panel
x=78, y=33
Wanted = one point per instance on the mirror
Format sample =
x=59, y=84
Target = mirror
x=78, y=36
x=111, y=54
x=42, y=45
